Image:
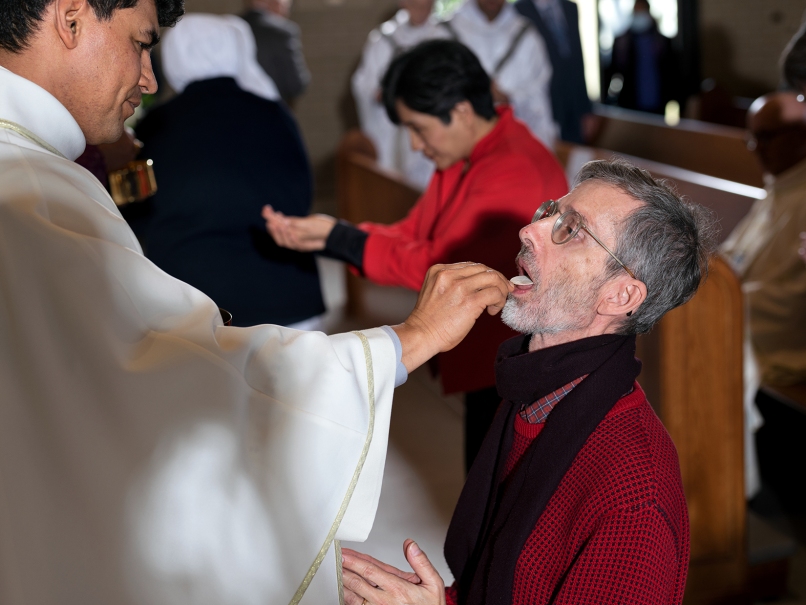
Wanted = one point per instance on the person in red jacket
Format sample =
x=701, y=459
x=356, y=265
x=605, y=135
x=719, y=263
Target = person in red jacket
x=490, y=173
x=576, y=494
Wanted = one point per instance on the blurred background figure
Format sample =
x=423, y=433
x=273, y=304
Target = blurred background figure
x=643, y=73
x=222, y=149
x=764, y=247
x=279, y=47
x=412, y=24
x=558, y=24
x=515, y=57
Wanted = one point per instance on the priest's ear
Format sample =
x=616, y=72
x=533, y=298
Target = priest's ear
x=70, y=18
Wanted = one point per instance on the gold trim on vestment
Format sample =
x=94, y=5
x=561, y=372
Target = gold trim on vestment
x=331, y=535
x=24, y=132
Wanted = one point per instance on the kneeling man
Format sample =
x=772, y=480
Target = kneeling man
x=576, y=495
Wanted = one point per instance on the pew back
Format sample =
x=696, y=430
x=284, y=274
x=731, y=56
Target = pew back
x=693, y=376
x=711, y=149
x=366, y=192
x=729, y=201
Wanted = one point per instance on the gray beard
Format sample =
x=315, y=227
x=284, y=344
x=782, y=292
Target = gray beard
x=562, y=308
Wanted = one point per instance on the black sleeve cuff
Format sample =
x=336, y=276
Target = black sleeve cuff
x=346, y=242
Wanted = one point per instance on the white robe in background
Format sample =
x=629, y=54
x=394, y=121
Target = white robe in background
x=149, y=454
x=525, y=77
x=391, y=142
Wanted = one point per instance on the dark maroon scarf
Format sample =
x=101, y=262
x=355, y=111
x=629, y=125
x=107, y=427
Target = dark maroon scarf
x=493, y=520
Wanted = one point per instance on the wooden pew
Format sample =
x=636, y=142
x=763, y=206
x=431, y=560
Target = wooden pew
x=366, y=192
x=711, y=149
x=693, y=376
x=730, y=201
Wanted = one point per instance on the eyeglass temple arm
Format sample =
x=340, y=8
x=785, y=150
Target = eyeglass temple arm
x=615, y=258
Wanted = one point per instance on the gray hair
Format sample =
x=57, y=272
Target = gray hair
x=666, y=242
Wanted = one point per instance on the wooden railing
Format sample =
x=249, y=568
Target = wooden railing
x=719, y=151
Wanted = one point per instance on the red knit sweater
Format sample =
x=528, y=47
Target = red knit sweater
x=616, y=529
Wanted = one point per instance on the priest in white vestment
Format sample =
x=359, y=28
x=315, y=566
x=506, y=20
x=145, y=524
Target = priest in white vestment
x=148, y=453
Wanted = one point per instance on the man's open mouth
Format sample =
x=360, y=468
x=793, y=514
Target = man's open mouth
x=523, y=280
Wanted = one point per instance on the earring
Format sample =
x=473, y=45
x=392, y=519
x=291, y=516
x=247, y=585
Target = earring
x=630, y=313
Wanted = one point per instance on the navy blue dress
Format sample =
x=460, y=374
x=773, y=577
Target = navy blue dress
x=220, y=154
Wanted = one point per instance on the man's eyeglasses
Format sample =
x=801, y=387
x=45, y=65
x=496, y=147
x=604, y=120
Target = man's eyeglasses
x=568, y=225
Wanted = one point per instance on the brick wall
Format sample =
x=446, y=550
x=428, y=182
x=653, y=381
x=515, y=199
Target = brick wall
x=742, y=41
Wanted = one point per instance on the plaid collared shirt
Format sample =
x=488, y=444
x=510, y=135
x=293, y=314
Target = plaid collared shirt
x=537, y=412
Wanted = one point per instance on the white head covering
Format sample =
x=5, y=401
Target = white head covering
x=203, y=46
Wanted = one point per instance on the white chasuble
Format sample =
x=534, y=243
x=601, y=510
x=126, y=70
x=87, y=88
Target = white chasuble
x=149, y=454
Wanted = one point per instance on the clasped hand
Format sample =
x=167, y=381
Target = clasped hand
x=367, y=580
x=301, y=233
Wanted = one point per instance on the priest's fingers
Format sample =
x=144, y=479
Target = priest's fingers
x=405, y=575
x=450, y=301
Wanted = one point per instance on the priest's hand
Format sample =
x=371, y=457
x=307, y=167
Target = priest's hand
x=367, y=580
x=305, y=234
x=451, y=300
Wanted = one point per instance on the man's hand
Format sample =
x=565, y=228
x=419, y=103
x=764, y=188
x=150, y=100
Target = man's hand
x=450, y=301
x=368, y=580
x=305, y=234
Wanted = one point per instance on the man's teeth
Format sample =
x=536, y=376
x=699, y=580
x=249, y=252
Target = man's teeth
x=521, y=280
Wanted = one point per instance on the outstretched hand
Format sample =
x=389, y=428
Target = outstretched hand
x=304, y=234
x=367, y=580
x=451, y=300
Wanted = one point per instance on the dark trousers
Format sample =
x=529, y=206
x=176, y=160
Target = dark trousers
x=480, y=407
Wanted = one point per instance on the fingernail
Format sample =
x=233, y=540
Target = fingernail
x=414, y=549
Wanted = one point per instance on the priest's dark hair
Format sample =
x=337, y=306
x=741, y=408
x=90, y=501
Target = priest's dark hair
x=794, y=61
x=433, y=77
x=667, y=241
x=19, y=19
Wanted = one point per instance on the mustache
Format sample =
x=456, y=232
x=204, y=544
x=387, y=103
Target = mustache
x=526, y=255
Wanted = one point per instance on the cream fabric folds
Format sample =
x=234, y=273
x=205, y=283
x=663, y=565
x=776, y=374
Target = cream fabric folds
x=149, y=454
x=201, y=47
x=764, y=250
x=525, y=77
x=391, y=142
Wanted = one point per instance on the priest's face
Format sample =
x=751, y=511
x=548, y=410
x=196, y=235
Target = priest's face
x=568, y=279
x=443, y=144
x=110, y=69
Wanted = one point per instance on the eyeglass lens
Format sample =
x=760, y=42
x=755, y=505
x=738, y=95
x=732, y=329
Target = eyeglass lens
x=566, y=227
x=545, y=210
